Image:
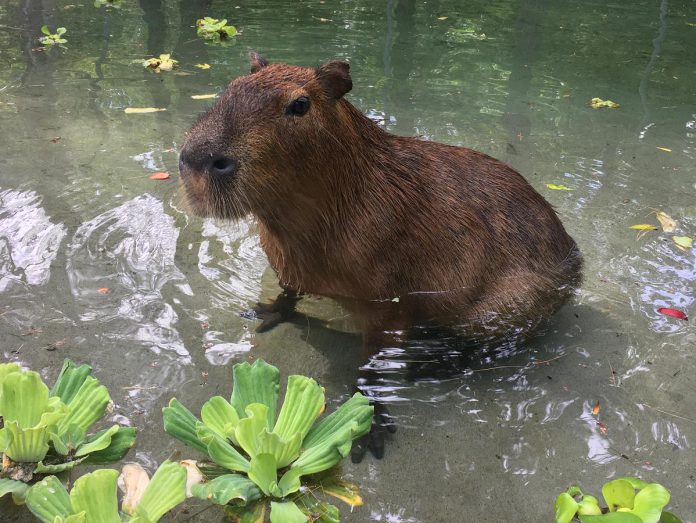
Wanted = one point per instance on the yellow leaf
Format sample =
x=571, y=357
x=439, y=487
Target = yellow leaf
x=202, y=66
x=668, y=224
x=598, y=103
x=142, y=110
x=346, y=492
x=683, y=241
x=558, y=187
x=203, y=96
x=643, y=227
x=665, y=149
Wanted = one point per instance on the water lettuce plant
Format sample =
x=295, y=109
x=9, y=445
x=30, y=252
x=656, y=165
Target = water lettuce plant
x=214, y=29
x=260, y=459
x=50, y=39
x=45, y=432
x=162, y=62
x=629, y=500
x=94, y=496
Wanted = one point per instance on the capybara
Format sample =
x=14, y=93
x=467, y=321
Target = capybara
x=401, y=230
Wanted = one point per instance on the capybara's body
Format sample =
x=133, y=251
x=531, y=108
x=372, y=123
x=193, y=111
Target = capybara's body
x=402, y=230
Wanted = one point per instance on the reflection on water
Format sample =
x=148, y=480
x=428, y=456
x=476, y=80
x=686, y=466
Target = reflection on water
x=95, y=254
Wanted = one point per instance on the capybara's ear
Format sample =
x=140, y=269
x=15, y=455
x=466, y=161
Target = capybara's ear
x=257, y=61
x=334, y=78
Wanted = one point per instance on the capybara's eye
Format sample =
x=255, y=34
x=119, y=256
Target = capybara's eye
x=299, y=106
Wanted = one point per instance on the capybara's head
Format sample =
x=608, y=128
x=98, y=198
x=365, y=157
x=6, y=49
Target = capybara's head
x=267, y=133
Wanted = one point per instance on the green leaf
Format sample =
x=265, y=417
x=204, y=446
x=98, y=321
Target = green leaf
x=314, y=508
x=290, y=482
x=48, y=499
x=166, y=490
x=557, y=187
x=57, y=468
x=636, y=483
x=286, y=512
x=61, y=31
x=181, y=423
x=10, y=486
x=26, y=445
x=285, y=452
x=86, y=407
x=589, y=506
x=70, y=380
x=330, y=440
x=304, y=399
x=649, y=502
x=685, y=242
x=566, y=508
x=222, y=452
x=72, y=437
x=263, y=472
x=618, y=494
x=75, y=518
x=220, y=416
x=250, y=428
x=611, y=517
x=24, y=398
x=668, y=517
x=100, y=442
x=5, y=370
x=44, y=30
x=224, y=489
x=96, y=494
x=257, y=383
x=121, y=442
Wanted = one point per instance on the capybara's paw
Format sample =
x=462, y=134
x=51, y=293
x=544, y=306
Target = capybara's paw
x=383, y=425
x=278, y=311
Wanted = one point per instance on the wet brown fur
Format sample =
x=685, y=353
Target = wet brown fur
x=350, y=211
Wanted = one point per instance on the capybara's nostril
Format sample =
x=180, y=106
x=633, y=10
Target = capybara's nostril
x=222, y=166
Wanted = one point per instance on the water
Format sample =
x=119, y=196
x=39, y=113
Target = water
x=502, y=435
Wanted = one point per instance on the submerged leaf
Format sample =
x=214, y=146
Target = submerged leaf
x=664, y=149
x=142, y=110
x=598, y=103
x=674, y=313
x=643, y=227
x=160, y=176
x=556, y=187
x=202, y=66
x=685, y=242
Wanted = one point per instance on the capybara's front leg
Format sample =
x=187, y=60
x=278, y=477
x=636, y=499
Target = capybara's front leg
x=278, y=311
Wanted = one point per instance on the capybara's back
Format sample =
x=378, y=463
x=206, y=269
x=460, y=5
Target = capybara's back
x=403, y=230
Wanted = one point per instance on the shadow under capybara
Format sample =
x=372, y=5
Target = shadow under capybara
x=400, y=230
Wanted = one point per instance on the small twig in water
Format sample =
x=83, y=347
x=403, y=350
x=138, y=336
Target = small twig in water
x=531, y=363
x=668, y=413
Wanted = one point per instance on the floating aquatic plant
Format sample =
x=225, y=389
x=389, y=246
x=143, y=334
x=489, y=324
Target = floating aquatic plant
x=94, y=496
x=629, y=500
x=260, y=459
x=214, y=29
x=45, y=432
x=50, y=39
x=160, y=63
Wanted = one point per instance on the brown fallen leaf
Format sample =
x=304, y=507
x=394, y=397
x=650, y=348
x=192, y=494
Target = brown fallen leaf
x=668, y=224
x=160, y=176
x=595, y=409
x=142, y=110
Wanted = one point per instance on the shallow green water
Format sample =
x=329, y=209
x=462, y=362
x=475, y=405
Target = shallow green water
x=513, y=79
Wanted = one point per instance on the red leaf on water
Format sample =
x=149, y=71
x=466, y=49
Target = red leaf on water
x=674, y=313
x=159, y=176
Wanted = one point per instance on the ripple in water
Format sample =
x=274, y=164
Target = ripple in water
x=118, y=265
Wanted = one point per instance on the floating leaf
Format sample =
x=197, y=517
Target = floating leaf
x=163, y=62
x=160, y=176
x=595, y=409
x=142, y=110
x=664, y=149
x=618, y=494
x=598, y=103
x=674, y=313
x=612, y=517
x=203, y=96
x=556, y=187
x=668, y=224
x=202, y=66
x=643, y=227
x=649, y=502
x=685, y=242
